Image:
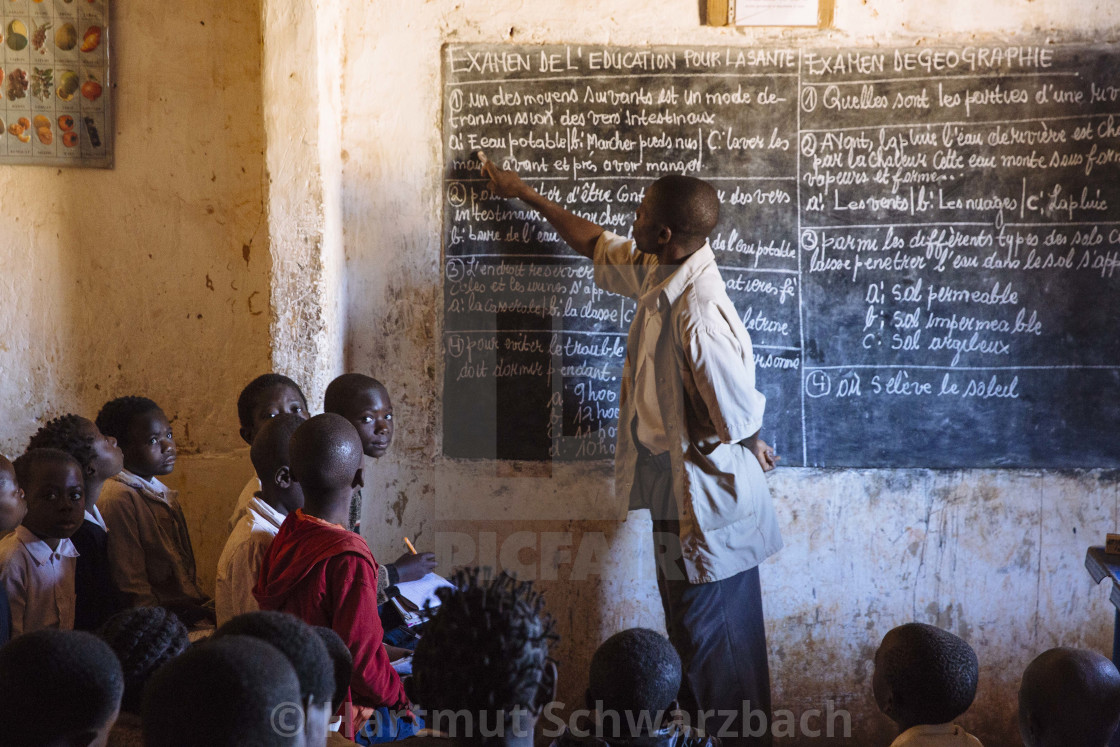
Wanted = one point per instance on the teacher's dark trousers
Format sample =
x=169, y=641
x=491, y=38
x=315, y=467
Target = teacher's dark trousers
x=717, y=628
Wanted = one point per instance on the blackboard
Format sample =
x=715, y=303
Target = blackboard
x=924, y=244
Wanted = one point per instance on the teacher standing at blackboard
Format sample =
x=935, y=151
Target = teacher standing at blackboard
x=688, y=446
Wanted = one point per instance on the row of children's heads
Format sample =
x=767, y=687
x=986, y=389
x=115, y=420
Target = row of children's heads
x=72, y=454
x=360, y=399
x=224, y=691
x=926, y=675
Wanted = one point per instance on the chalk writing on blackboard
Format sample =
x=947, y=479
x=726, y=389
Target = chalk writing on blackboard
x=923, y=243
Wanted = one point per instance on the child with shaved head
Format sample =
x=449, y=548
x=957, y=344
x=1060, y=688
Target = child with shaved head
x=364, y=401
x=58, y=688
x=240, y=562
x=1069, y=698
x=925, y=678
x=326, y=575
x=37, y=561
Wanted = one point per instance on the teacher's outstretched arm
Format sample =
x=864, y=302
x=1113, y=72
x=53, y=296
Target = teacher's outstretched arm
x=579, y=233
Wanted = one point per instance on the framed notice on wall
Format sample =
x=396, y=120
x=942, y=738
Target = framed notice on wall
x=770, y=12
x=54, y=85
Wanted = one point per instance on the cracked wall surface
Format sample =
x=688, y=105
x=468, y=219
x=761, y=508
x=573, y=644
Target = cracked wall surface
x=994, y=556
x=151, y=278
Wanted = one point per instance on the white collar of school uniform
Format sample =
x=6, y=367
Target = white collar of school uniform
x=40, y=551
x=258, y=506
x=93, y=513
x=136, y=482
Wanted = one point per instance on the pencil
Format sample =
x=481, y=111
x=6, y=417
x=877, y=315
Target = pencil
x=408, y=544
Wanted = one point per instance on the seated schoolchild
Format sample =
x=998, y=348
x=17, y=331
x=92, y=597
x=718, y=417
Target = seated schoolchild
x=262, y=399
x=37, y=561
x=12, y=509
x=632, y=693
x=143, y=639
x=482, y=670
x=150, y=551
x=231, y=692
x=100, y=458
x=342, y=723
x=326, y=575
x=240, y=562
x=925, y=678
x=12, y=503
x=58, y=688
x=1069, y=698
x=364, y=401
x=308, y=656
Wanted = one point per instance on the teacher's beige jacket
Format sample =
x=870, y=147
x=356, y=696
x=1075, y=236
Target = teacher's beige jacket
x=704, y=365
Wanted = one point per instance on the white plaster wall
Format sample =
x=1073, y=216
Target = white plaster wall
x=151, y=278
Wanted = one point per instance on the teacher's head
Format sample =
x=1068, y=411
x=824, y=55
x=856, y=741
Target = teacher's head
x=676, y=216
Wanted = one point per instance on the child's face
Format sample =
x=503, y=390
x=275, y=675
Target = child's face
x=108, y=459
x=56, y=501
x=149, y=449
x=274, y=401
x=13, y=507
x=371, y=412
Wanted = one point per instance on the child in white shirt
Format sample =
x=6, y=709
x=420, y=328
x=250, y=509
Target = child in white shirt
x=262, y=399
x=279, y=495
x=38, y=560
x=925, y=678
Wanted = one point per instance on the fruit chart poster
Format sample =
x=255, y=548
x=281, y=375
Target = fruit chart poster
x=54, y=88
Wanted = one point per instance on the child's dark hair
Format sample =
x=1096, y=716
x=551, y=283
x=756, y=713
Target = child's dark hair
x=341, y=659
x=65, y=434
x=296, y=640
x=248, y=399
x=144, y=639
x=42, y=669
x=486, y=648
x=931, y=673
x=343, y=389
x=635, y=671
x=117, y=414
x=26, y=461
x=223, y=693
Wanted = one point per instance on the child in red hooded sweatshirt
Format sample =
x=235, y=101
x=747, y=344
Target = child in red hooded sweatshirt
x=326, y=575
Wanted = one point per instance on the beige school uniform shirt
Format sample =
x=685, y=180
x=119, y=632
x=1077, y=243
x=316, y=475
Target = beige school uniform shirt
x=240, y=562
x=697, y=378
x=150, y=551
x=39, y=581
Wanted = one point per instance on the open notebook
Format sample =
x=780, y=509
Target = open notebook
x=419, y=593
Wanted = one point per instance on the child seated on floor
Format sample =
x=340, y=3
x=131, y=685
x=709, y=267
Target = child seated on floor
x=1069, y=698
x=308, y=656
x=143, y=639
x=483, y=665
x=150, y=551
x=262, y=399
x=12, y=509
x=12, y=503
x=240, y=562
x=58, y=688
x=37, y=561
x=342, y=721
x=325, y=574
x=632, y=693
x=364, y=401
x=100, y=459
x=925, y=678
x=231, y=692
